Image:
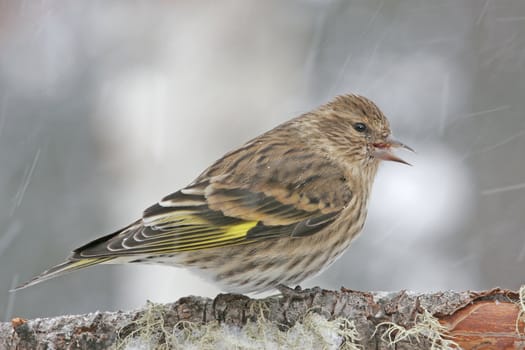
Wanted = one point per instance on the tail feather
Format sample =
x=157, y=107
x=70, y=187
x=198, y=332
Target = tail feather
x=62, y=269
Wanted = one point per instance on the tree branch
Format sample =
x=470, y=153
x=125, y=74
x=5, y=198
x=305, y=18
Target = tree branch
x=312, y=318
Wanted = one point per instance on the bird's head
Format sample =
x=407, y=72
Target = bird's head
x=357, y=129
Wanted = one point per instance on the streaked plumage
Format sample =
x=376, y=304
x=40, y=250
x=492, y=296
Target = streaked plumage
x=277, y=210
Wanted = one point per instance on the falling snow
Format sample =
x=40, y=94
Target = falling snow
x=105, y=107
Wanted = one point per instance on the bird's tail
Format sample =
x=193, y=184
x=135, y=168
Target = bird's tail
x=61, y=269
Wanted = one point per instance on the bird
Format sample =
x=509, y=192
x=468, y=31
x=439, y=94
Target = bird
x=277, y=210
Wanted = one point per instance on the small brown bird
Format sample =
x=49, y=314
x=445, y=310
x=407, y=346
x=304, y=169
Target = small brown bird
x=277, y=210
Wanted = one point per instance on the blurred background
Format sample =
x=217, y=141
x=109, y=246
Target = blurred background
x=105, y=107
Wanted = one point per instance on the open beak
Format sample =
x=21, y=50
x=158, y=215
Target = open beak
x=383, y=150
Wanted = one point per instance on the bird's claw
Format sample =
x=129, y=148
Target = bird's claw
x=286, y=291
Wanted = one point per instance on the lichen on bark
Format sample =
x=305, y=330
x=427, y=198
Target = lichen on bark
x=312, y=318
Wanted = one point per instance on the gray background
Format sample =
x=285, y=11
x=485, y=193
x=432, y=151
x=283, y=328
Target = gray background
x=107, y=106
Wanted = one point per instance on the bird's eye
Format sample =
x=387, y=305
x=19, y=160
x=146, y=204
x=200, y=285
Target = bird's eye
x=360, y=127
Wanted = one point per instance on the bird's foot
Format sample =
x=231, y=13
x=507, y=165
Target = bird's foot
x=286, y=291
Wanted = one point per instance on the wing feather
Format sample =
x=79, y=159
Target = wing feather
x=284, y=197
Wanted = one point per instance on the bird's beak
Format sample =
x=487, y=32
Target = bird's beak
x=383, y=150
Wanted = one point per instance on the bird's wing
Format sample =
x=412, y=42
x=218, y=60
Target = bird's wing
x=214, y=213
x=223, y=210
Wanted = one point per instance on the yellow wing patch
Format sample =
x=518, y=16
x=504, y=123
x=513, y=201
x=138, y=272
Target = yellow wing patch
x=184, y=231
x=239, y=230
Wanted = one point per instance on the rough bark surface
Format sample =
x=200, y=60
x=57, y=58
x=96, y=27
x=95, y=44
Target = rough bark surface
x=378, y=320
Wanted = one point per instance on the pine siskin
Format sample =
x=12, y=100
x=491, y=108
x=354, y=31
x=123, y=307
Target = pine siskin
x=277, y=210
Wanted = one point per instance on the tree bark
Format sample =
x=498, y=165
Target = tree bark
x=312, y=318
